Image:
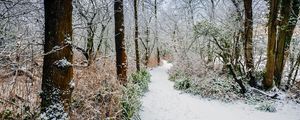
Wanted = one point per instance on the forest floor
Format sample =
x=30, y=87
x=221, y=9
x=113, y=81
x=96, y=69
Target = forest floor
x=163, y=102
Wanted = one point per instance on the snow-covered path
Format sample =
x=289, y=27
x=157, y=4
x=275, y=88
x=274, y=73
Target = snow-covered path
x=163, y=102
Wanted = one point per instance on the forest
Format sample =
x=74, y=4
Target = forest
x=149, y=60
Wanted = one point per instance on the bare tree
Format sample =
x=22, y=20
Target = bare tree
x=93, y=14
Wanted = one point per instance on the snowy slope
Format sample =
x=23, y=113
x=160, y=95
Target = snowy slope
x=163, y=102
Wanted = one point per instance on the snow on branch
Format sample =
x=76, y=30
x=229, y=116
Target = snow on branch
x=55, y=49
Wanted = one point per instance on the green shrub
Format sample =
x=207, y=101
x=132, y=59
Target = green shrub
x=130, y=101
x=132, y=93
x=6, y=115
x=141, y=78
x=211, y=87
x=175, y=76
x=182, y=84
x=267, y=107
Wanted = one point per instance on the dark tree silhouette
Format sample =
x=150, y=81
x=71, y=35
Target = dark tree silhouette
x=121, y=57
x=136, y=35
x=289, y=14
x=248, y=44
x=272, y=33
x=58, y=56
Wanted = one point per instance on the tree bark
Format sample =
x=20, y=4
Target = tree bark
x=57, y=64
x=289, y=14
x=136, y=36
x=284, y=15
x=121, y=57
x=248, y=44
x=272, y=31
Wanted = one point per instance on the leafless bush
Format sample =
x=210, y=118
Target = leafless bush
x=97, y=92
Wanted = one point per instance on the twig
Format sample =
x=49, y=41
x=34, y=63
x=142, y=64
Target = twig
x=19, y=72
x=12, y=103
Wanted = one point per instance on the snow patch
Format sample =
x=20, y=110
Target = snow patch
x=56, y=48
x=54, y=112
x=72, y=84
x=163, y=102
x=63, y=63
x=68, y=39
x=166, y=65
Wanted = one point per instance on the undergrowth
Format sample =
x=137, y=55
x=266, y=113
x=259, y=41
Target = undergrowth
x=97, y=94
x=207, y=87
x=267, y=107
x=182, y=84
x=132, y=93
x=215, y=85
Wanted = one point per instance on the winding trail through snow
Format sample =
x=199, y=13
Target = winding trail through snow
x=163, y=102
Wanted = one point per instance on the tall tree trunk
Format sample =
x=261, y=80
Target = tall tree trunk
x=191, y=12
x=283, y=29
x=100, y=41
x=57, y=77
x=272, y=31
x=155, y=15
x=147, y=38
x=136, y=36
x=209, y=45
x=239, y=33
x=121, y=58
x=90, y=43
x=293, y=70
x=147, y=48
x=248, y=44
x=158, y=56
x=289, y=14
x=156, y=28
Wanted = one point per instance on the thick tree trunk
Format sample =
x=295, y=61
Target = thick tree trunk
x=121, y=58
x=283, y=30
x=57, y=78
x=248, y=44
x=136, y=36
x=272, y=31
x=289, y=14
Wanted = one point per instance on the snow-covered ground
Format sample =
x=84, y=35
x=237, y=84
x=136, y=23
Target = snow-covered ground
x=163, y=102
